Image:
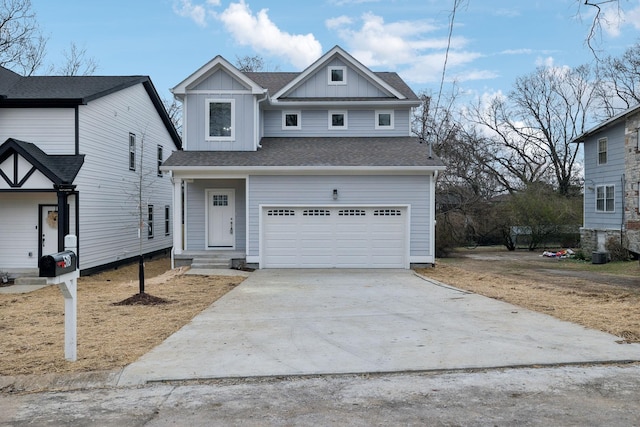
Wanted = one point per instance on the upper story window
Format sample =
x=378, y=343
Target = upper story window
x=602, y=151
x=159, y=159
x=605, y=201
x=132, y=152
x=337, y=75
x=291, y=120
x=220, y=119
x=384, y=119
x=337, y=120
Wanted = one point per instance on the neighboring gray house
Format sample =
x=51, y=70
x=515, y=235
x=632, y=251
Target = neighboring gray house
x=315, y=169
x=70, y=152
x=612, y=182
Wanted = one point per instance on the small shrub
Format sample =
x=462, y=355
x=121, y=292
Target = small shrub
x=617, y=251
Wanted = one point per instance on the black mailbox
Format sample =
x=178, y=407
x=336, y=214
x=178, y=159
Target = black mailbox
x=57, y=264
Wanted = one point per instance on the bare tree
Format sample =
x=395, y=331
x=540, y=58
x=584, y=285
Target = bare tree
x=250, y=63
x=77, y=63
x=174, y=110
x=619, y=81
x=533, y=127
x=22, y=45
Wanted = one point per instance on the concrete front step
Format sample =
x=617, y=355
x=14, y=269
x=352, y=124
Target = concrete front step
x=211, y=263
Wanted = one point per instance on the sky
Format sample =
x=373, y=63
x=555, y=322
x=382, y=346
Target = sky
x=492, y=41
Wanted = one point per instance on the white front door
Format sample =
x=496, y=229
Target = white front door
x=221, y=218
x=49, y=229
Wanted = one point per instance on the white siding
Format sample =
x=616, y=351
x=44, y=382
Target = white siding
x=19, y=235
x=352, y=190
x=51, y=129
x=108, y=189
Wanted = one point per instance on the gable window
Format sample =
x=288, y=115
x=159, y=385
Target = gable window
x=150, y=221
x=337, y=120
x=220, y=118
x=384, y=119
x=159, y=159
x=605, y=198
x=337, y=75
x=291, y=120
x=602, y=151
x=132, y=152
x=167, y=222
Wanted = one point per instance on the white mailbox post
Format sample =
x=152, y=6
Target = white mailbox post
x=68, y=284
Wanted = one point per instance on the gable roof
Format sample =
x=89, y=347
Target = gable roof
x=609, y=122
x=71, y=91
x=60, y=169
x=208, y=69
x=318, y=153
x=337, y=51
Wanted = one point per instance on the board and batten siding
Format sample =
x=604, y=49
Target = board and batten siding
x=108, y=189
x=317, y=85
x=608, y=174
x=195, y=211
x=315, y=123
x=20, y=235
x=220, y=85
x=51, y=129
x=373, y=190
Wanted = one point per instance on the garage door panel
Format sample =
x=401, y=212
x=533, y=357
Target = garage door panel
x=343, y=237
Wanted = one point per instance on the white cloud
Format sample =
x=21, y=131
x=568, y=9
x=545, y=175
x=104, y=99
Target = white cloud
x=259, y=32
x=197, y=13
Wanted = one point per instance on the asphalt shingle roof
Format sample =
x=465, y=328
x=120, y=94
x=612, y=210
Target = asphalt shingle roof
x=61, y=169
x=316, y=152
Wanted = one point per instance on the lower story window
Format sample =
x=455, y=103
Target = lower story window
x=150, y=222
x=605, y=200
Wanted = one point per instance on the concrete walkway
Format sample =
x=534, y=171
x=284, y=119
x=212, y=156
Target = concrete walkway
x=307, y=322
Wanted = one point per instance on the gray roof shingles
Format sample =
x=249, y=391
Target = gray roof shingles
x=315, y=152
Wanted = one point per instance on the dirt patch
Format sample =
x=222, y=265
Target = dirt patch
x=566, y=289
x=109, y=336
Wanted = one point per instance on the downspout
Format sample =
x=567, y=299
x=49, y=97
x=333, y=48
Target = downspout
x=257, y=121
x=622, y=179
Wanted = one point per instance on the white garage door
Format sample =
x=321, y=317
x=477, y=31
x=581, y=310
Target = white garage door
x=335, y=237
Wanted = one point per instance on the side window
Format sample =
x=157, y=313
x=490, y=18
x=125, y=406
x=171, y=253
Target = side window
x=159, y=159
x=167, y=220
x=150, y=222
x=337, y=120
x=384, y=119
x=291, y=120
x=220, y=119
x=132, y=152
x=602, y=151
x=337, y=75
x=605, y=198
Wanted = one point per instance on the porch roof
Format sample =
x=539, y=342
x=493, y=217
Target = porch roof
x=316, y=153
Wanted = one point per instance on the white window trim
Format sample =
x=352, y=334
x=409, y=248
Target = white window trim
x=344, y=75
x=606, y=151
x=392, y=123
x=605, y=198
x=346, y=121
x=232, y=102
x=284, y=120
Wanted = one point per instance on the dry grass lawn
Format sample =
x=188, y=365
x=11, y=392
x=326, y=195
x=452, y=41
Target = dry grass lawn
x=605, y=297
x=109, y=336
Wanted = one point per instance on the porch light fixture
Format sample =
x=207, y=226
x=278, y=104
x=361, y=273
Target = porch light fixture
x=335, y=194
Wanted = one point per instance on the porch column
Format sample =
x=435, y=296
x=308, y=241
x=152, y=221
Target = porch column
x=63, y=192
x=178, y=238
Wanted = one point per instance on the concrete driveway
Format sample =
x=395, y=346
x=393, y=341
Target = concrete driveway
x=308, y=322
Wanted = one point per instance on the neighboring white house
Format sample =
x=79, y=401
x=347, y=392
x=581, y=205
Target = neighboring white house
x=314, y=169
x=612, y=182
x=71, y=154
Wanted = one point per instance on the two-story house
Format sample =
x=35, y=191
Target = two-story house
x=313, y=169
x=612, y=183
x=76, y=154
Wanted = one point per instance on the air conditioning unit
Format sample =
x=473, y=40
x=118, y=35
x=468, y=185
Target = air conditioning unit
x=599, y=257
